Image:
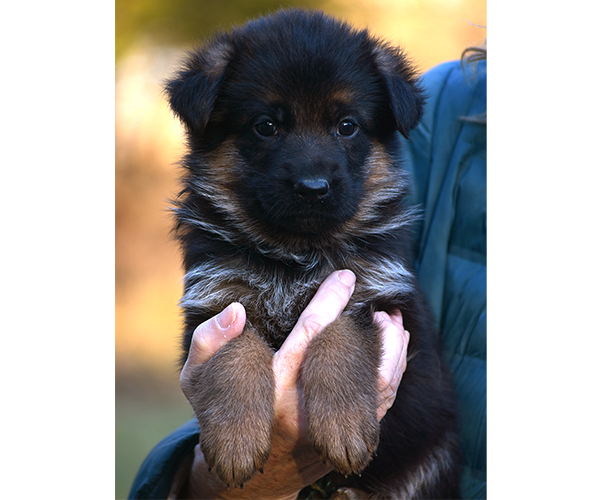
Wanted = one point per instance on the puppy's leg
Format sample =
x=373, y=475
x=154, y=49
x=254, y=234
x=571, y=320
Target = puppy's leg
x=339, y=378
x=233, y=401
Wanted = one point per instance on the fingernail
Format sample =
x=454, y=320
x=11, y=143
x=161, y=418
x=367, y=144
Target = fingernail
x=226, y=317
x=347, y=278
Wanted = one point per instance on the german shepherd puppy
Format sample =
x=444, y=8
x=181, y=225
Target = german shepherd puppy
x=293, y=172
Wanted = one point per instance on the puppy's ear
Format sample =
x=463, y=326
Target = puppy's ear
x=406, y=97
x=193, y=91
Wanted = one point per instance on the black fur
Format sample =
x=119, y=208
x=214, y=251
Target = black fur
x=292, y=172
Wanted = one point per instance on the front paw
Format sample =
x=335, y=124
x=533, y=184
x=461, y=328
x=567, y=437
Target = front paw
x=339, y=379
x=346, y=436
x=235, y=448
x=232, y=396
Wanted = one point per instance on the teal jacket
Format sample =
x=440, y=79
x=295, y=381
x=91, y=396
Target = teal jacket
x=447, y=159
x=446, y=155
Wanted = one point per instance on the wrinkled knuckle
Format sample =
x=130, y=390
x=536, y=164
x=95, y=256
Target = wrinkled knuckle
x=382, y=319
x=312, y=324
x=340, y=296
x=199, y=342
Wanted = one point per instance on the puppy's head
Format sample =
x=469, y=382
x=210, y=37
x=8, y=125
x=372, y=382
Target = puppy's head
x=292, y=123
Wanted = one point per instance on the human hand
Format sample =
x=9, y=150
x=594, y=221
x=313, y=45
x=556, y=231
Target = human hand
x=293, y=463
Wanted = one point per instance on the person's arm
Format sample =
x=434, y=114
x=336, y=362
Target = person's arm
x=292, y=464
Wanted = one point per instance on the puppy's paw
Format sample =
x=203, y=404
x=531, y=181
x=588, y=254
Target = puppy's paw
x=233, y=400
x=345, y=437
x=236, y=449
x=339, y=378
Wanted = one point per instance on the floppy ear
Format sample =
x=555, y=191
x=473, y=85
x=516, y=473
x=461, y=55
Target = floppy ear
x=193, y=91
x=406, y=97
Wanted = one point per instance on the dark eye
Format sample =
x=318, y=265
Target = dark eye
x=347, y=128
x=266, y=128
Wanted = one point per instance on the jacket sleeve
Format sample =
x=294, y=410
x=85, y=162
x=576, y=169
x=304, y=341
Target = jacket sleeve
x=156, y=474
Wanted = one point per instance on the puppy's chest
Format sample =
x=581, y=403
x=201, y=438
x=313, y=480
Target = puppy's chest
x=274, y=298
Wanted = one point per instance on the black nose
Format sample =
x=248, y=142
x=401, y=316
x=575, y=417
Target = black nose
x=312, y=188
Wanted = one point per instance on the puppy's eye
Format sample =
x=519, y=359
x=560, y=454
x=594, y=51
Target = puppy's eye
x=347, y=128
x=266, y=128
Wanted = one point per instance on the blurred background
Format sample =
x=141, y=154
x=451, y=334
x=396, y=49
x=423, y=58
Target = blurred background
x=151, y=37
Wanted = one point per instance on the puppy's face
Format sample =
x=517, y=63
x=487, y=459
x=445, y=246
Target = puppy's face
x=292, y=123
x=302, y=135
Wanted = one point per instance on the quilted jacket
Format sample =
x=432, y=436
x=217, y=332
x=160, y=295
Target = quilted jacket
x=448, y=163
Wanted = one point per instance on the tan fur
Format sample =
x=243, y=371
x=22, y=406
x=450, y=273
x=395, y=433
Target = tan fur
x=235, y=390
x=340, y=396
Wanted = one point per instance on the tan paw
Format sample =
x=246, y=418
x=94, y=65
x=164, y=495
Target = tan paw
x=345, y=439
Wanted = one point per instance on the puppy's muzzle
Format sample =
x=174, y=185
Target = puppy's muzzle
x=312, y=189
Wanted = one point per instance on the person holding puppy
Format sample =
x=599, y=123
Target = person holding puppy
x=292, y=457
x=447, y=161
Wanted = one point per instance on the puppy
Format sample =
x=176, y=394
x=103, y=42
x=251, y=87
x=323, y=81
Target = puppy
x=293, y=172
